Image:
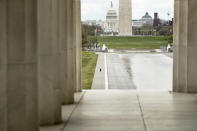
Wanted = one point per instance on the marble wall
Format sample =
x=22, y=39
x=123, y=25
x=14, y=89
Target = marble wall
x=185, y=46
x=18, y=66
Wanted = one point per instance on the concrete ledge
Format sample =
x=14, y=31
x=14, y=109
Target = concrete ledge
x=67, y=111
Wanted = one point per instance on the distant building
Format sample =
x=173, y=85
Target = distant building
x=100, y=23
x=89, y=22
x=111, y=23
x=156, y=21
x=138, y=23
x=146, y=19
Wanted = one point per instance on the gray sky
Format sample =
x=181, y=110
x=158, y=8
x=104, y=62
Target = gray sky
x=97, y=9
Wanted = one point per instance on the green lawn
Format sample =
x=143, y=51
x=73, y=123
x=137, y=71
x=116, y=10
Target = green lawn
x=126, y=43
x=89, y=61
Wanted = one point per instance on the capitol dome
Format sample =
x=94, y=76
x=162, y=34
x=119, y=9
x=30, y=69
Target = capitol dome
x=111, y=14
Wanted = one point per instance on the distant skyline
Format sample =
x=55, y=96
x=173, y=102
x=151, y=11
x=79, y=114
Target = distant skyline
x=97, y=9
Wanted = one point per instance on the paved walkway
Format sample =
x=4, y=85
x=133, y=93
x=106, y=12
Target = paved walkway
x=99, y=76
x=129, y=110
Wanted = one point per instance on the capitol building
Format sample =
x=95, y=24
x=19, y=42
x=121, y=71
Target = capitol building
x=111, y=23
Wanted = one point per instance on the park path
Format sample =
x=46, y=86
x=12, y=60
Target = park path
x=99, y=80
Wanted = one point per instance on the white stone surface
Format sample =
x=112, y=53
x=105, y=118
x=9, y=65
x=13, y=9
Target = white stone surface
x=125, y=17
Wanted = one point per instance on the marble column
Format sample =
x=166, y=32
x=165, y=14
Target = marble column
x=18, y=66
x=49, y=62
x=67, y=52
x=77, y=39
x=185, y=46
x=62, y=45
x=3, y=65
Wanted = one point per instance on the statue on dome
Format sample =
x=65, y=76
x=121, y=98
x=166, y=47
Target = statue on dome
x=111, y=4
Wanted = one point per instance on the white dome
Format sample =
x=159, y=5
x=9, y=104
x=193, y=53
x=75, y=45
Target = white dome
x=111, y=14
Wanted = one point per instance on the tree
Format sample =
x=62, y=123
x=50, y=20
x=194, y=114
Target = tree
x=84, y=36
x=163, y=30
x=88, y=35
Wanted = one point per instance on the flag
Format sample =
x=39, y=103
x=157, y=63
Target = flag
x=171, y=30
x=95, y=31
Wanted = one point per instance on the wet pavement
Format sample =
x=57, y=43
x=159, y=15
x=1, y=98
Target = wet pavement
x=151, y=71
x=142, y=71
x=119, y=76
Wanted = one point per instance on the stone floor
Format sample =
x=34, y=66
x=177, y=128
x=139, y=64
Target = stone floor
x=130, y=110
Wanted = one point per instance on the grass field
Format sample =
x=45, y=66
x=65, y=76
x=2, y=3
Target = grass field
x=126, y=43
x=89, y=61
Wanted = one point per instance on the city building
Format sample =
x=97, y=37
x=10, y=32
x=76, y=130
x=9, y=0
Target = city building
x=111, y=23
x=146, y=19
x=156, y=21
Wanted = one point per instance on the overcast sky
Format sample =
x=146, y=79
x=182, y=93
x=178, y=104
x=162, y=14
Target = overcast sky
x=97, y=9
